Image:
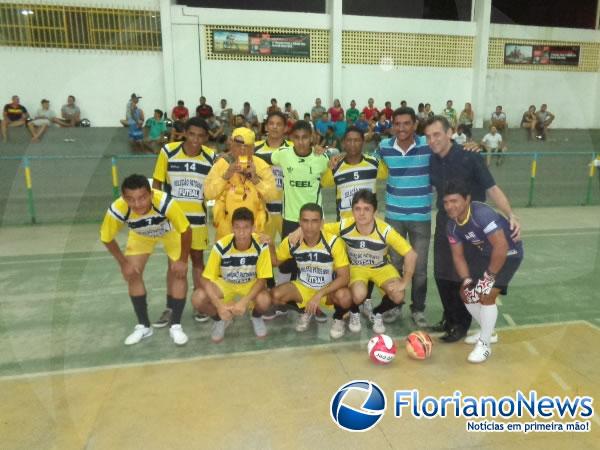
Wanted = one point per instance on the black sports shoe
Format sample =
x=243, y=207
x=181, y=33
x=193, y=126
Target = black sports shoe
x=454, y=334
x=439, y=327
x=164, y=319
x=199, y=317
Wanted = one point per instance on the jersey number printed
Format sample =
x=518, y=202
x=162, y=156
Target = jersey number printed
x=190, y=167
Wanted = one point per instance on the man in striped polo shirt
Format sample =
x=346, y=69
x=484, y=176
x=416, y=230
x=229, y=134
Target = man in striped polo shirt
x=408, y=199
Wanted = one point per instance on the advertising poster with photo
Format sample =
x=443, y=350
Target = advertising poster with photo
x=541, y=54
x=268, y=44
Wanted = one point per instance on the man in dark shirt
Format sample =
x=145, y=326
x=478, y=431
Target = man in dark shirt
x=203, y=110
x=14, y=115
x=449, y=161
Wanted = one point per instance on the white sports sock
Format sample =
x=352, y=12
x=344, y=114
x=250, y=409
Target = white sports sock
x=489, y=314
x=475, y=310
x=283, y=278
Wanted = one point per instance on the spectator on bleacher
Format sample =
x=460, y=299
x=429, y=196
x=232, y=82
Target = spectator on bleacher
x=136, y=126
x=329, y=140
x=403, y=104
x=362, y=123
x=528, y=121
x=466, y=118
x=134, y=98
x=341, y=127
x=543, y=120
x=216, y=130
x=428, y=112
x=290, y=112
x=336, y=112
x=179, y=115
x=70, y=114
x=450, y=113
x=43, y=118
x=155, y=131
x=322, y=125
x=14, y=115
x=460, y=137
x=370, y=110
x=274, y=107
x=226, y=114
x=383, y=127
x=352, y=113
x=316, y=112
x=421, y=119
x=498, y=120
x=388, y=111
x=203, y=110
x=492, y=142
x=249, y=115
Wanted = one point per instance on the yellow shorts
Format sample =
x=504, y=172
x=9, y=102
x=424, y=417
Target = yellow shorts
x=233, y=291
x=307, y=293
x=273, y=225
x=379, y=275
x=200, y=237
x=142, y=245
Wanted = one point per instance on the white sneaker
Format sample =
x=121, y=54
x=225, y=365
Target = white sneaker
x=260, y=329
x=338, y=328
x=480, y=353
x=367, y=308
x=378, y=326
x=472, y=339
x=354, y=322
x=391, y=315
x=177, y=334
x=218, y=330
x=139, y=332
x=303, y=322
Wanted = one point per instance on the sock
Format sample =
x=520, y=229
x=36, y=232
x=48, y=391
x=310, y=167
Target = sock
x=354, y=309
x=339, y=312
x=489, y=314
x=169, y=304
x=385, y=305
x=255, y=313
x=177, y=305
x=475, y=310
x=216, y=318
x=141, y=309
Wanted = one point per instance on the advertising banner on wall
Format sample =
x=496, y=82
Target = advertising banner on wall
x=253, y=43
x=541, y=54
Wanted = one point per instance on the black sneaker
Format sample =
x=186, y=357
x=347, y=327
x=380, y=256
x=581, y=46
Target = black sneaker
x=439, y=327
x=199, y=317
x=164, y=319
x=275, y=311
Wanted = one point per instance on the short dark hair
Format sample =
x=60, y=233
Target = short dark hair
x=405, y=110
x=456, y=186
x=313, y=207
x=72, y=96
x=365, y=195
x=246, y=103
x=273, y=100
x=242, y=214
x=276, y=114
x=302, y=125
x=135, y=181
x=287, y=104
x=441, y=119
x=158, y=111
x=354, y=129
x=196, y=122
x=180, y=103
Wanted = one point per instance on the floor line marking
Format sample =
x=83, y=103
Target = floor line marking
x=498, y=301
x=531, y=348
x=509, y=320
x=562, y=383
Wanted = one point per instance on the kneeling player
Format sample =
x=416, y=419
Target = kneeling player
x=237, y=268
x=323, y=272
x=152, y=216
x=492, y=260
x=367, y=241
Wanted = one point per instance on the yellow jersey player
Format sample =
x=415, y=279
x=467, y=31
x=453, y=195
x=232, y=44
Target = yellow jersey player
x=323, y=272
x=276, y=123
x=152, y=216
x=368, y=241
x=181, y=169
x=353, y=172
x=237, y=268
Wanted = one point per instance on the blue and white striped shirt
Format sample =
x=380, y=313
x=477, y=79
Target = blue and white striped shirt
x=408, y=193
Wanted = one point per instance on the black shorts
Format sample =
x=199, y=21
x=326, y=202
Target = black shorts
x=479, y=263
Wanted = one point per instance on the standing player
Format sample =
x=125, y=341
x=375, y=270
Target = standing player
x=276, y=123
x=152, y=216
x=238, y=267
x=486, y=272
x=181, y=169
x=367, y=242
x=323, y=272
x=353, y=172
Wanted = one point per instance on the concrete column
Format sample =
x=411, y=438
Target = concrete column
x=482, y=11
x=334, y=9
x=167, y=53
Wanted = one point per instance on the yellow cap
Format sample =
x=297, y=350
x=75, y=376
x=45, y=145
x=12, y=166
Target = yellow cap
x=245, y=133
